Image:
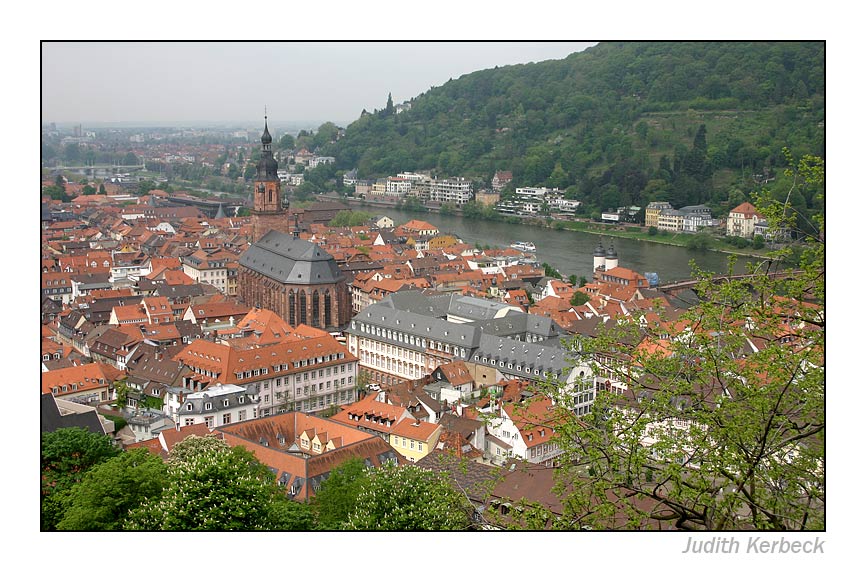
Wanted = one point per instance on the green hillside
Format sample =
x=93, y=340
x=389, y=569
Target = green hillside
x=619, y=123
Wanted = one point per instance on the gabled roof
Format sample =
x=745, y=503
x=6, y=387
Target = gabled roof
x=272, y=440
x=747, y=209
x=414, y=429
x=456, y=373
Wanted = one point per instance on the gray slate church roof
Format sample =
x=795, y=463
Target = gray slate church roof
x=290, y=260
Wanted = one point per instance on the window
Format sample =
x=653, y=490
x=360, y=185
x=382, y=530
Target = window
x=227, y=418
x=209, y=422
x=207, y=406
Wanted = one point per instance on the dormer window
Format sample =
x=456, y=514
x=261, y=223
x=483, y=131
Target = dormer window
x=225, y=402
x=208, y=406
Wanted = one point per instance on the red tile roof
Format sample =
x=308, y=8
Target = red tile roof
x=84, y=377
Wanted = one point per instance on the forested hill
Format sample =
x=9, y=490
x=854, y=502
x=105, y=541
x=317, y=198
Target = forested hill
x=618, y=123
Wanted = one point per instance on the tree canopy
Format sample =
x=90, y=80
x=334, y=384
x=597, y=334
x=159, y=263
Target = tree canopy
x=337, y=495
x=111, y=489
x=67, y=455
x=407, y=497
x=212, y=486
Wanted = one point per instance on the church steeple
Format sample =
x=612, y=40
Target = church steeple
x=266, y=169
x=268, y=208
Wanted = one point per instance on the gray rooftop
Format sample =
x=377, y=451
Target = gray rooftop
x=290, y=260
x=420, y=325
x=520, y=324
x=529, y=356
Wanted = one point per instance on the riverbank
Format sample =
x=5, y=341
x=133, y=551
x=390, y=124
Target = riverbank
x=630, y=232
x=638, y=233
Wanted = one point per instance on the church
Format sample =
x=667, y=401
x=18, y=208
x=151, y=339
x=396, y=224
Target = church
x=293, y=278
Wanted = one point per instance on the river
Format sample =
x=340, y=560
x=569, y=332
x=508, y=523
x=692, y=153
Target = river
x=570, y=252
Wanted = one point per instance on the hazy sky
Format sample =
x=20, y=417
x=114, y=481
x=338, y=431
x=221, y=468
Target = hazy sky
x=234, y=81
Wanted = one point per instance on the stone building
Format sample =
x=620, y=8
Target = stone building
x=296, y=280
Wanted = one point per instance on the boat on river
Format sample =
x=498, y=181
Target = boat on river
x=523, y=246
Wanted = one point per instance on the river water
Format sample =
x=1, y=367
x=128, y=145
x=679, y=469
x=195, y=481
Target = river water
x=571, y=252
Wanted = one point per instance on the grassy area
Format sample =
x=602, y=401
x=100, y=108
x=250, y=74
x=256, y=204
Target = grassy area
x=640, y=233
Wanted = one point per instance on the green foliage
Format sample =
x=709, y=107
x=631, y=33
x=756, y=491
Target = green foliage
x=408, y=498
x=579, y=298
x=338, y=494
x=550, y=271
x=57, y=193
x=758, y=242
x=652, y=231
x=111, y=489
x=214, y=487
x=286, y=142
x=350, y=218
x=709, y=436
x=700, y=241
x=67, y=454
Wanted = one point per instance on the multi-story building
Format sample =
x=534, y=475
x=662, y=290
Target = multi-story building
x=128, y=267
x=743, y=219
x=652, y=212
x=316, y=161
x=456, y=190
x=57, y=286
x=308, y=375
x=523, y=430
x=209, y=268
x=696, y=217
x=670, y=220
x=395, y=345
x=215, y=406
x=537, y=193
x=500, y=179
x=397, y=187
x=414, y=439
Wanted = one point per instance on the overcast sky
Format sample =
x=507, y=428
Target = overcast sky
x=234, y=81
